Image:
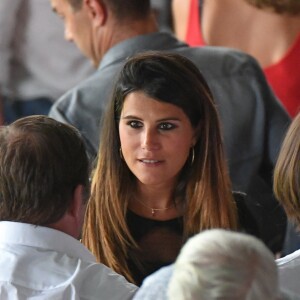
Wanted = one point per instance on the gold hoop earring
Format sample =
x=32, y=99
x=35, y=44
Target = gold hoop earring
x=193, y=155
x=121, y=154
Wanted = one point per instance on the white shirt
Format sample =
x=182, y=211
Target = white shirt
x=35, y=60
x=42, y=263
x=156, y=285
x=289, y=272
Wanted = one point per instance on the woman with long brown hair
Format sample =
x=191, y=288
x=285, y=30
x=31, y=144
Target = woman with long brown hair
x=161, y=174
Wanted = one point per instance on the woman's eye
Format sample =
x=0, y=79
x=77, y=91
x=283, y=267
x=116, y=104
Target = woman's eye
x=166, y=126
x=135, y=124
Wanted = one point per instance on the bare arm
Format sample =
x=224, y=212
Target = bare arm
x=181, y=12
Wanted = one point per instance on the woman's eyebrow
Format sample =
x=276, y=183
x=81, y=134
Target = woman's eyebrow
x=159, y=120
x=131, y=117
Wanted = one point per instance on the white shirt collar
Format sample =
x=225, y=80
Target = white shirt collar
x=43, y=237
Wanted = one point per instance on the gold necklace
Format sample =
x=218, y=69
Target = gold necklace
x=154, y=210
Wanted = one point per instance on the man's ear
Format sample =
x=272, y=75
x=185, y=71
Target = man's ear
x=71, y=221
x=76, y=205
x=97, y=11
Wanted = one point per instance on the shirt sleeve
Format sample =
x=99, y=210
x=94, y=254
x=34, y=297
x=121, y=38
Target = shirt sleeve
x=8, y=20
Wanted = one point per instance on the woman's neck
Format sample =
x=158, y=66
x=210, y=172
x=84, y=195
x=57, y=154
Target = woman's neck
x=155, y=196
x=155, y=202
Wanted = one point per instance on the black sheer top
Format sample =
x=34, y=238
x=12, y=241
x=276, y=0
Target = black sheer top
x=160, y=241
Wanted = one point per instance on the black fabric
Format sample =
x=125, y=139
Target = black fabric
x=159, y=244
x=160, y=241
x=246, y=215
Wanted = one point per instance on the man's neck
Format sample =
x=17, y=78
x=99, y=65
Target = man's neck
x=119, y=31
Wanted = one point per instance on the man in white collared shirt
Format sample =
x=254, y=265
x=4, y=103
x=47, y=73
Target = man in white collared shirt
x=43, y=192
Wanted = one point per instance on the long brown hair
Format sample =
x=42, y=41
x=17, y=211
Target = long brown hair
x=287, y=172
x=203, y=184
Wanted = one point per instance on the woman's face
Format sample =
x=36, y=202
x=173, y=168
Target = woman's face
x=156, y=139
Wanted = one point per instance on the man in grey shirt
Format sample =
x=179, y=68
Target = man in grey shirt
x=253, y=121
x=37, y=64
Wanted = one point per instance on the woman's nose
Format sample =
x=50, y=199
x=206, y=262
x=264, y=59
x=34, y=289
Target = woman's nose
x=150, y=140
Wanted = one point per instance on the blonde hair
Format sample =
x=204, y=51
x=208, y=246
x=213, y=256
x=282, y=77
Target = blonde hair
x=204, y=185
x=219, y=264
x=287, y=172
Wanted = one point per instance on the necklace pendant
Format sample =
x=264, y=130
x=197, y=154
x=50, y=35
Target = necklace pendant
x=152, y=212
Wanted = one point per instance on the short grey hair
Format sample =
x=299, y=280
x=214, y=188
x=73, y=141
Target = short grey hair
x=219, y=264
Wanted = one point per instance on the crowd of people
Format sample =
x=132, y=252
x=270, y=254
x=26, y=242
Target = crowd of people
x=170, y=172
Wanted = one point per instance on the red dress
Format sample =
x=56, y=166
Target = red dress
x=283, y=76
x=194, y=35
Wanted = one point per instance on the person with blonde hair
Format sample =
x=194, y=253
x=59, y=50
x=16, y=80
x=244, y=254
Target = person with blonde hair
x=287, y=191
x=161, y=175
x=217, y=264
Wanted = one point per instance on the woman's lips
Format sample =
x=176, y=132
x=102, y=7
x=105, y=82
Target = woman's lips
x=150, y=162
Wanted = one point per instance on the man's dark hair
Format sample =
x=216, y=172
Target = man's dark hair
x=122, y=9
x=42, y=161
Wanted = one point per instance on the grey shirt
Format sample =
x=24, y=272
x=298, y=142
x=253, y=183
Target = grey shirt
x=253, y=121
x=35, y=59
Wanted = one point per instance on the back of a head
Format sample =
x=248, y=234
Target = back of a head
x=41, y=163
x=219, y=264
x=122, y=9
x=287, y=172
